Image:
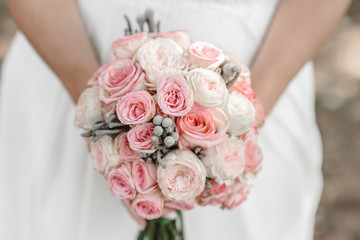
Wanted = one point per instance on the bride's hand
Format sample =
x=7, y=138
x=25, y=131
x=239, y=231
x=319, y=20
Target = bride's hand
x=55, y=29
x=298, y=30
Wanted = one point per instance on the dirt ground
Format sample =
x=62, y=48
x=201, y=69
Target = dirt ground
x=337, y=69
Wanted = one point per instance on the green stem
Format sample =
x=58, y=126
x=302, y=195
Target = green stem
x=163, y=229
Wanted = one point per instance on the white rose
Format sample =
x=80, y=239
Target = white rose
x=226, y=161
x=184, y=176
x=160, y=57
x=209, y=88
x=240, y=112
x=88, y=109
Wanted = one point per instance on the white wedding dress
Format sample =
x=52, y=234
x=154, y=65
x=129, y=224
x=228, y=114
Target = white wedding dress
x=48, y=189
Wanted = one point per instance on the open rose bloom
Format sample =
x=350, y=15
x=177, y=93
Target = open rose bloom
x=170, y=128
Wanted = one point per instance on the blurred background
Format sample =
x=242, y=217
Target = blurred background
x=338, y=113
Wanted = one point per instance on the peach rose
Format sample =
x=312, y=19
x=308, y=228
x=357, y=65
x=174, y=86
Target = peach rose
x=123, y=148
x=120, y=77
x=149, y=206
x=88, y=109
x=127, y=46
x=174, y=96
x=139, y=138
x=104, y=155
x=121, y=183
x=214, y=195
x=205, y=55
x=238, y=194
x=226, y=161
x=240, y=112
x=144, y=175
x=160, y=57
x=204, y=127
x=186, y=205
x=253, y=153
x=136, y=108
x=209, y=87
x=184, y=176
x=180, y=37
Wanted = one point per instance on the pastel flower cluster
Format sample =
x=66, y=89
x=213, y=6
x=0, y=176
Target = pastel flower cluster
x=211, y=126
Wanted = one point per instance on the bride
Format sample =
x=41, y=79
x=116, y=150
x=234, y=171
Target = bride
x=47, y=186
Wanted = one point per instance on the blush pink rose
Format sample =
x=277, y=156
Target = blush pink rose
x=120, y=77
x=88, y=109
x=174, y=96
x=237, y=195
x=149, y=206
x=121, y=183
x=169, y=213
x=139, y=138
x=160, y=57
x=180, y=37
x=184, y=176
x=123, y=148
x=136, y=108
x=226, y=161
x=205, y=55
x=127, y=46
x=214, y=195
x=186, y=205
x=144, y=175
x=204, y=127
x=209, y=87
x=253, y=153
x=104, y=155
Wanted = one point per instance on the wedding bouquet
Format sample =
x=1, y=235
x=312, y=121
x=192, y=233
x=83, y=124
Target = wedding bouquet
x=172, y=123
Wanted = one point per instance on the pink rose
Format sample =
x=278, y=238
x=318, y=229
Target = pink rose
x=214, y=195
x=139, y=138
x=180, y=37
x=186, y=205
x=174, y=96
x=142, y=222
x=226, y=161
x=238, y=194
x=253, y=153
x=127, y=46
x=88, y=109
x=94, y=80
x=123, y=148
x=260, y=113
x=103, y=155
x=184, y=176
x=136, y=108
x=160, y=57
x=121, y=183
x=205, y=55
x=144, y=175
x=244, y=87
x=149, y=206
x=120, y=77
x=204, y=127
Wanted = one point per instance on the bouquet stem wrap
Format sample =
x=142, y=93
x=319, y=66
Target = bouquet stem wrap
x=163, y=229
